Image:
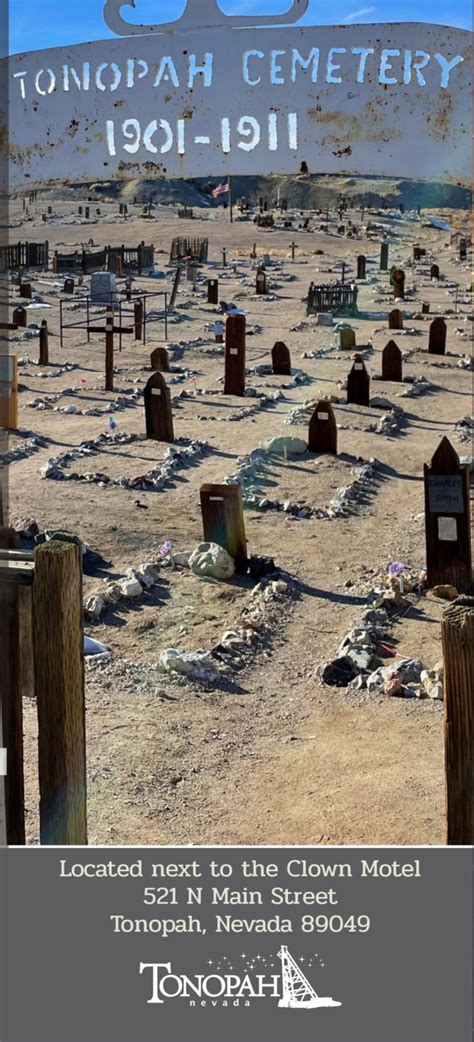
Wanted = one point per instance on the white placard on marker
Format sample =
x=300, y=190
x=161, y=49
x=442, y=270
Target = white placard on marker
x=216, y=499
x=156, y=390
x=3, y=763
x=234, y=351
x=447, y=529
x=358, y=365
x=323, y=416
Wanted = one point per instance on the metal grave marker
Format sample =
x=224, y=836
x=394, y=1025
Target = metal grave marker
x=234, y=381
x=358, y=383
x=322, y=435
x=437, y=337
x=281, y=361
x=223, y=521
x=158, y=416
x=392, y=362
x=447, y=520
x=395, y=319
x=159, y=360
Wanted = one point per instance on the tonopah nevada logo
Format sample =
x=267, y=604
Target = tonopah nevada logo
x=226, y=985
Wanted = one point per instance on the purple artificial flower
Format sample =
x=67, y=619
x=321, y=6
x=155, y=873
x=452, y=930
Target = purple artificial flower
x=166, y=548
x=396, y=568
x=112, y=424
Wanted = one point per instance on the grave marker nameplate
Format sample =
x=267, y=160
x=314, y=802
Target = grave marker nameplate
x=212, y=291
x=447, y=520
x=392, y=362
x=8, y=392
x=347, y=339
x=395, y=319
x=158, y=415
x=437, y=337
x=261, y=283
x=159, y=360
x=223, y=521
x=323, y=429
x=281, y=361
x=234, y=382
x=358, y=383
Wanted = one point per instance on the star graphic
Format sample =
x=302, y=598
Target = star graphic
x=210, y=963
x=243, y=956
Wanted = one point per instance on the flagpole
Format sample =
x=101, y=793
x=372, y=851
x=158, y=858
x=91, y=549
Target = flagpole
x=231, y=212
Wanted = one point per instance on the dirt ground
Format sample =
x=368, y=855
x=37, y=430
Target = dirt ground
x=279, y=758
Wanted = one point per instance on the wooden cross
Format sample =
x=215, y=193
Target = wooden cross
x=109, y=329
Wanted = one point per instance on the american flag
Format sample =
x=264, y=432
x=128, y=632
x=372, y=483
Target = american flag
x=220, y=190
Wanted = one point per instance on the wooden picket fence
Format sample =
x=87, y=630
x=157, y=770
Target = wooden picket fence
x=17, y=255
x=129, y=258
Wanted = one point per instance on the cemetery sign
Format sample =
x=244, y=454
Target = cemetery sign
x=215, y=95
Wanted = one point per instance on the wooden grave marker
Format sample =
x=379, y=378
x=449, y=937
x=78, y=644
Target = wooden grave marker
x=68, y=286
x=281, y=360
x=109, y=329
x=213, y=291
x=358, y=383
x=43, y=343
x=260, y=283
x=361, y=266
x=416, y=253
x=447, y=520
x=223, y=521
x=462, y=249
x=347, y=338
x=138, y=319
x=234, y=382
x=158, y=415
x=395, y=319
x=398, y=282
x=8, y=392
x=434, y=271
x=437, y=337
x=25, y=290
x=425, y=308
x=392, y=368
x=323, y=429
x=159, y=360
x=457, y=631
x=384, y=256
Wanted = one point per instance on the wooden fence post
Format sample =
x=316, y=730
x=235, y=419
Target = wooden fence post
x=11, y=701
x=58, y=638
x=138, y=319
x=109, y=349
x=457, y=630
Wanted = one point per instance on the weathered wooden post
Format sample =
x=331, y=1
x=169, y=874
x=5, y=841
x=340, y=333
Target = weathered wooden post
x=416, y=253
x=159, y=360
x=361, y=266
x=281, y=361
x=19, y=317
x=224, y=257
x=395, y=319
x=384, y=256
x=11, y=708
x=398, y=282
x=293, y=249
x=425, y=308
x=457, y=631
x=462, y=249
x=437, y=337
x=212, y=291
x=43, y=343
x=447, y=520
x=347, y=338
x=234, y=382
x=392, y=362
x=58, y=640
x=8, y=392
x=358, y=383
x=323, y=429
x=25, y=290
x=260, y=282
x=223, y=521
x=434, y=271
x=138, y=319
x=68, y=286
x=158, y=415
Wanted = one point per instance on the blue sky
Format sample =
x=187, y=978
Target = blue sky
x=35, y=24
